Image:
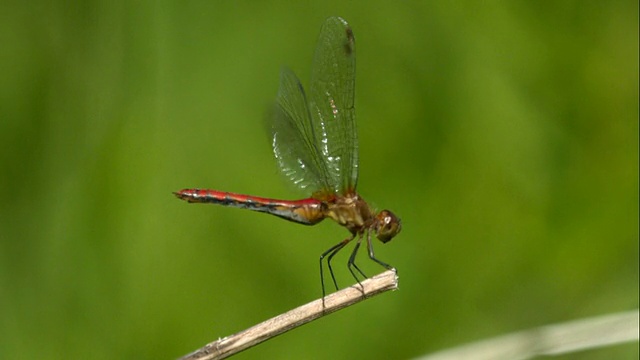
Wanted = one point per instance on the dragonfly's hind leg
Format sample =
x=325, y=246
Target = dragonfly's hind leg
x=329, y=254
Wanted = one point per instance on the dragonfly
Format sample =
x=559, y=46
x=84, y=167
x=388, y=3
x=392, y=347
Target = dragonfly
x=315, y=144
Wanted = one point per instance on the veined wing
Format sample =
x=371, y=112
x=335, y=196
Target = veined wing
x=292, y=139
x=332, y=104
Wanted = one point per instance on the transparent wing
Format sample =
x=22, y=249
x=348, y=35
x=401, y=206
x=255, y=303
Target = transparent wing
x=332, y=104
x=292, y=139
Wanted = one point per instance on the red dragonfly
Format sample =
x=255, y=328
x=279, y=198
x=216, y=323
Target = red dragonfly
x=315, y=144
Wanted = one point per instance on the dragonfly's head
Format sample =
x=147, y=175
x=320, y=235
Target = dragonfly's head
x=387, y=225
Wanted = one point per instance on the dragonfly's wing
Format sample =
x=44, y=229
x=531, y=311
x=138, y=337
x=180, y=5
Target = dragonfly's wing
x=332, y=104
x=292, y=137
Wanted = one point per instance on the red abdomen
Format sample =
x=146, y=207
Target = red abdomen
x=306, y=211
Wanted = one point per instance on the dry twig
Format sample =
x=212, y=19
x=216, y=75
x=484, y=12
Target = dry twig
x=225, y=347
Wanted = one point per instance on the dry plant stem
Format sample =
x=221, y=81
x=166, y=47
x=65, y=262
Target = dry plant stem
x=564, y=338
x=225, y=347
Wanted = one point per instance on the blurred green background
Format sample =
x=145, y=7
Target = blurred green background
x=504, y=134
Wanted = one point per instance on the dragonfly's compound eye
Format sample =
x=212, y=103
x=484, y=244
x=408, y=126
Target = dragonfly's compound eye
x=388, y=226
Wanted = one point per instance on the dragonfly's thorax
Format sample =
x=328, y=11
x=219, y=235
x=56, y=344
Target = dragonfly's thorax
x=351, y=212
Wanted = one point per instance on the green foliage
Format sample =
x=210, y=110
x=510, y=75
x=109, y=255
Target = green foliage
x=505, y=135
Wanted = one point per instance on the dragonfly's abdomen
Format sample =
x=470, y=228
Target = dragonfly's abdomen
x=307, y=211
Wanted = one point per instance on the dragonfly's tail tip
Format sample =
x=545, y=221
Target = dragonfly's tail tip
x=179, y=195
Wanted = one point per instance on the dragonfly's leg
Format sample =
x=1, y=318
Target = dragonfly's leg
x=372, y=256
x=331, y=252
x=352, y=261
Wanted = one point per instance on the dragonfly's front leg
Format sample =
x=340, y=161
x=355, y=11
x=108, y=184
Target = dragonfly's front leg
x=372, y=256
